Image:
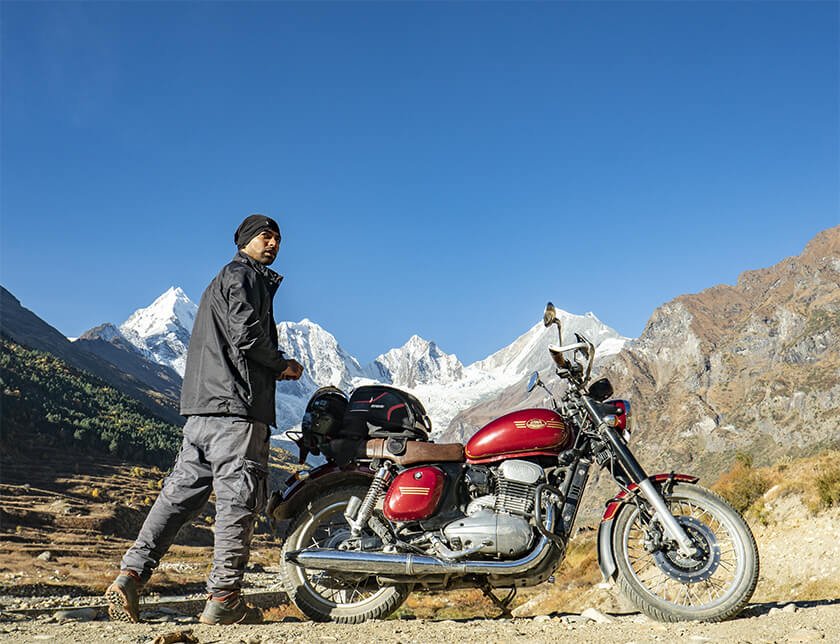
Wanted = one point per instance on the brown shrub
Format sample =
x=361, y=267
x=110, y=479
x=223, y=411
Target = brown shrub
x=828, y=486
x=742, y=485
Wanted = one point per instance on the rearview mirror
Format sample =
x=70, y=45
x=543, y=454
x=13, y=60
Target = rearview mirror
x=550, y=314
x=533, y=381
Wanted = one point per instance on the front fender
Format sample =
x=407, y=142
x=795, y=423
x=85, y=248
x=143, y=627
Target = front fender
x=606, y=556
x=284, y=505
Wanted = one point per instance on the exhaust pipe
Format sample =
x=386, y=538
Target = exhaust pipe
x=388, y=564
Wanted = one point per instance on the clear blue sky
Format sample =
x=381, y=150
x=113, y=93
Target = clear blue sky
x=436, y=168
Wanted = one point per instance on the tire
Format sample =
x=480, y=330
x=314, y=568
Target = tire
x=667, y=587
x=319, y=595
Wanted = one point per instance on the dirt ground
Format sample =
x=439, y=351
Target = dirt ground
x=64, y=526
x=761, y=624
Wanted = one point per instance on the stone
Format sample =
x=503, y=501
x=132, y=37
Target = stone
x=774, y=611
x=593, y=614
x=542, y=618
x=76, y=615
x=804, y=635
x=790, y=608
x=46, y=556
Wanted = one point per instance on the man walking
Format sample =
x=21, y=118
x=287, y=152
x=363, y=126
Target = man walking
x=227, y=396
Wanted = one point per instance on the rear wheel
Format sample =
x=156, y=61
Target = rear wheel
x=712, y=585
x=323, y=596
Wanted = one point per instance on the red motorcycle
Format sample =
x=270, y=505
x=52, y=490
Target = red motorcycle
x=391, y=511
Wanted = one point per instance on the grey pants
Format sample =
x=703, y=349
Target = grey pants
x=225, y=454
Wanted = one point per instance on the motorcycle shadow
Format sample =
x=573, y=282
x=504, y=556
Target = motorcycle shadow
x=765, y=608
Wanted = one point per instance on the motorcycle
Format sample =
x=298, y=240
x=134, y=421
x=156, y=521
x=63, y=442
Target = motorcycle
x=391, y=511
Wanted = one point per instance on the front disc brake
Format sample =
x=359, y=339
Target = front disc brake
x=700, y=566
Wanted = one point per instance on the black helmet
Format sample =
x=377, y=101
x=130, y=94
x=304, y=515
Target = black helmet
x=322, y=419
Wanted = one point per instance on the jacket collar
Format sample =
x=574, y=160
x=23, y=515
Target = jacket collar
x=273, y=278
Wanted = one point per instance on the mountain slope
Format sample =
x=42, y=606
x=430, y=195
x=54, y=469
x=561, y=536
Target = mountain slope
x=751, y=367
x=44, y=395
x=108, y=343
x=23, y=327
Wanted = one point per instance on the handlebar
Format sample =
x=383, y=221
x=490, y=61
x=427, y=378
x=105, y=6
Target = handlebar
x=568, y=347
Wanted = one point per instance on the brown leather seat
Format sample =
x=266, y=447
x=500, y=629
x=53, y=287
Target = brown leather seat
x=416, y=452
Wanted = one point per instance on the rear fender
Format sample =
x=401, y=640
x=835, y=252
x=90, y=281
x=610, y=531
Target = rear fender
x=307, y=485
x=606, y=556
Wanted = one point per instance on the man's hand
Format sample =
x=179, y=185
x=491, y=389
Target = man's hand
x=293, y=371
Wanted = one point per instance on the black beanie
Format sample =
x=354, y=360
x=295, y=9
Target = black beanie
x=252, y=226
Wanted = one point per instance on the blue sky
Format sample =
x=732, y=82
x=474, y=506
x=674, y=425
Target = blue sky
x=436, y=168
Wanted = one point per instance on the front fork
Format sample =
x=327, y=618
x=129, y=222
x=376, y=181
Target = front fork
x=648, y=490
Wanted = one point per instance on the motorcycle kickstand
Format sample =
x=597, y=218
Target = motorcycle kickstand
x=501, y=604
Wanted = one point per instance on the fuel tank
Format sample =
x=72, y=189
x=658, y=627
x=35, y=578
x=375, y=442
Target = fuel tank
x=527, y=432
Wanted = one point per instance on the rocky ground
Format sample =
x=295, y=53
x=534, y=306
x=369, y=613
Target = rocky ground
x=55, y=562
x=800, y=622
x=800, y=559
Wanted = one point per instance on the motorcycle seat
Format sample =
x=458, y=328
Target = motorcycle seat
x=416, y=452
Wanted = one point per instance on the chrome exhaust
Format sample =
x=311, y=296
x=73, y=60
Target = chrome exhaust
x=387, y=564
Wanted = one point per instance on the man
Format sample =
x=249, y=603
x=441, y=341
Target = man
x=227, y=396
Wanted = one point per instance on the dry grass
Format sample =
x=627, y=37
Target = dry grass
x=816, y=479
x=742, y=485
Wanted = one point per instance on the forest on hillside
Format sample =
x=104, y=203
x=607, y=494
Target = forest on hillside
x=44, y=398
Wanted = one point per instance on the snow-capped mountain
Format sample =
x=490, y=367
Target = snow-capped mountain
x=444, y=385
x=161, y=331
x=530, y=350
x=325, y=363
x=417, y=362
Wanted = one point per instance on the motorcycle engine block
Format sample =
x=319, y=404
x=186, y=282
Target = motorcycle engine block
x=499, y=521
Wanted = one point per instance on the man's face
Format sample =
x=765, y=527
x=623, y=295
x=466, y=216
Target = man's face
x=263, y=247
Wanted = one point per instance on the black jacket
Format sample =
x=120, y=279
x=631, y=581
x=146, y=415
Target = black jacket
x=233, y=360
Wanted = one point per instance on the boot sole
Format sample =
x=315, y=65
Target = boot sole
x=118, y=609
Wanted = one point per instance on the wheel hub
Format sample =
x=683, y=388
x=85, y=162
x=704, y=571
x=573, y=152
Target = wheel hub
x=700, y=566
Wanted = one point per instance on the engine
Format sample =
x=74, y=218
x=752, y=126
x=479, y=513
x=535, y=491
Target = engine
x=497, y=517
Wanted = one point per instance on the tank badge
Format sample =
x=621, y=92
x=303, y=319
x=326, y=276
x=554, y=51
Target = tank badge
x=416, y=491
x=538, y=423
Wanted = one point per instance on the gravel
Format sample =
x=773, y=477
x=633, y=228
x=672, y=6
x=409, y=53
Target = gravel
x=810, y=623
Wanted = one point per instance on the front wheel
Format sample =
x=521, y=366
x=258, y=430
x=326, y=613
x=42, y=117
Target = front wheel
x=323, y=596
x=713, y=585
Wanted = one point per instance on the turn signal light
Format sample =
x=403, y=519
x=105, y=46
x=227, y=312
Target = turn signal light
x=624, y=417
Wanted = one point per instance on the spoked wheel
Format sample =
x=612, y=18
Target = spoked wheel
x=712, y=585
x=323, y=596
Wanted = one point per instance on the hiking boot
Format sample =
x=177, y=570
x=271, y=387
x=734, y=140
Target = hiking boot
x=123, y=597
x=230, y=609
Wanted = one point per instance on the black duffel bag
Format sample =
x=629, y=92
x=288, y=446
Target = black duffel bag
x=379, y=411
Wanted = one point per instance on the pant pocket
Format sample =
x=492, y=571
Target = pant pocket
x=253, y=487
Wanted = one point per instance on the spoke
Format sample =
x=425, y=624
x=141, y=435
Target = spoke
x=647, y=565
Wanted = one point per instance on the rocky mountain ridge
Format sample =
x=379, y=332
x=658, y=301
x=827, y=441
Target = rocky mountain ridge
x=154, y=385
x=751, y=367
x=160, y=333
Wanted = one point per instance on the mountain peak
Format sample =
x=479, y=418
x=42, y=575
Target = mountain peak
x=162, y=330
x=171, y=307
x=418, y=361
x=416, y=342
x=107, y=332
